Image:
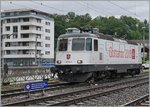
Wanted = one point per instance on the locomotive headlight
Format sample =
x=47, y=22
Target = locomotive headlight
x=59, y=62
x=79, y=61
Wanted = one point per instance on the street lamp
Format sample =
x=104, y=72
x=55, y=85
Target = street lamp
x=143, y=43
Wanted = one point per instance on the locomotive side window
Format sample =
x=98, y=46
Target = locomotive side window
x=78, y=44
x=63, y=43
x=88, y=44
x=95, y=45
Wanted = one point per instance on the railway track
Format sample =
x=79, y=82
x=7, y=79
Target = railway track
x=142, y=101
x=52, y=87
x=18, y=92
x=22, y=89
x=68, y=98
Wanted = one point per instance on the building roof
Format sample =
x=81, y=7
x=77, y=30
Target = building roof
x=38, y=12
x=24, y=9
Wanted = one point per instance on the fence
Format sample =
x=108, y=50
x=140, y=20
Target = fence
x=22, y=74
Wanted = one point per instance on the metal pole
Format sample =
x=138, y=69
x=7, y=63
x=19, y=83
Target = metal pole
x=36, y=50
x=143, y=44
x=1, y=54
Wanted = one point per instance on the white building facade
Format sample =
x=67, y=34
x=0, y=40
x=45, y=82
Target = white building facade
x=28, y=38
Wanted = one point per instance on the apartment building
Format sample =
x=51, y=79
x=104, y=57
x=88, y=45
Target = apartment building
x=28, y=38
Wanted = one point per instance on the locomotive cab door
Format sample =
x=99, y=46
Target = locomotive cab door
x=101, y=53
x=95, y=56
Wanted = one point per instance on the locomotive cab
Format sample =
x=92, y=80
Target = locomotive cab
x=74, y=51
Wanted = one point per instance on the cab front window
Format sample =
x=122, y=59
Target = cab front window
x=78, y=44
x=63, y=44
x=89, y=44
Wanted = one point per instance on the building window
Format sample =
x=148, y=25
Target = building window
x=38, y=20
x=7, y=44
x=7, y=36
x=39, y=44
x=24, y=35
x=25, y=44
x=15, y=29
x=8, y=20
x=15, y=20
x=12, y=20
x=47, y=38
x=8, y=52
x=15, y=36
x=25, y=19
x=47, y=52
x=47, y=23
x=47, y=45
x=12, y=14
x=38, y=36
x=47, y=30
x=3, y=14
x=24, y=27
x=38, y=28
x=7, y=28
x=7, y=14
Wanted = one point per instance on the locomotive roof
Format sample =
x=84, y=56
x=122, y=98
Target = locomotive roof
x=97, y=35
x=77, y=35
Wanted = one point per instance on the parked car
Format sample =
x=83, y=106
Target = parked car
x=146, y=65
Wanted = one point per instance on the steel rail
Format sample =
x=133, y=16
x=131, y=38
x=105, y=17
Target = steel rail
x=137, y=102
x=62, y=95
x=11, y=93
x=22, y=89
x=83, y=98
x=50, y=85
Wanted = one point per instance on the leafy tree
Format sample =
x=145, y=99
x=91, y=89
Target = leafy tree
x=125, y=26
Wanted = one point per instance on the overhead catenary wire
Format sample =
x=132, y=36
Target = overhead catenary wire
x=12, y=3
x=125, y=9
x=94, y=10
x=42, y=4
x=95, y=7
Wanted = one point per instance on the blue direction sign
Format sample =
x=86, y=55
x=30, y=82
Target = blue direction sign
x=36, y=85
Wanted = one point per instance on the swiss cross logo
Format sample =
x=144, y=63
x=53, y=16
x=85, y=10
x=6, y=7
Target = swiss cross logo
x=133, y=53
x=68, y=56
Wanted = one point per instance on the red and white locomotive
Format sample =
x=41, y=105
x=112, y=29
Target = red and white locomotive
x=82, y=56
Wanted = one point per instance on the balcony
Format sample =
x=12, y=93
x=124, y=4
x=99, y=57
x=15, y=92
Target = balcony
x=19, y=56
x=33, y=39
x=34, y=31
x=32, y=47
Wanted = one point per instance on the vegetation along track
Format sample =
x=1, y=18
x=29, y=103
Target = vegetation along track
x=75, y=96
x=54, y=86
x=142, y=101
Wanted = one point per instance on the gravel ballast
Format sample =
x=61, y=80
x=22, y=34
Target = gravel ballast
x=118, y=98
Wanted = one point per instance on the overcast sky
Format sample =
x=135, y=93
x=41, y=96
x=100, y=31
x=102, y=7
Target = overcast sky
x=138, y=9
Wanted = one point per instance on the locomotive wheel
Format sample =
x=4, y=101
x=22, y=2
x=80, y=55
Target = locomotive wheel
x=113, y=74
x=78, y=77
x=133, y=72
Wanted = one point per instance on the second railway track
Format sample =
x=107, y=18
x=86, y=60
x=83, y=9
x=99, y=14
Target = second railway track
x=142, y=101
x=66, y=98
x=56, y=86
